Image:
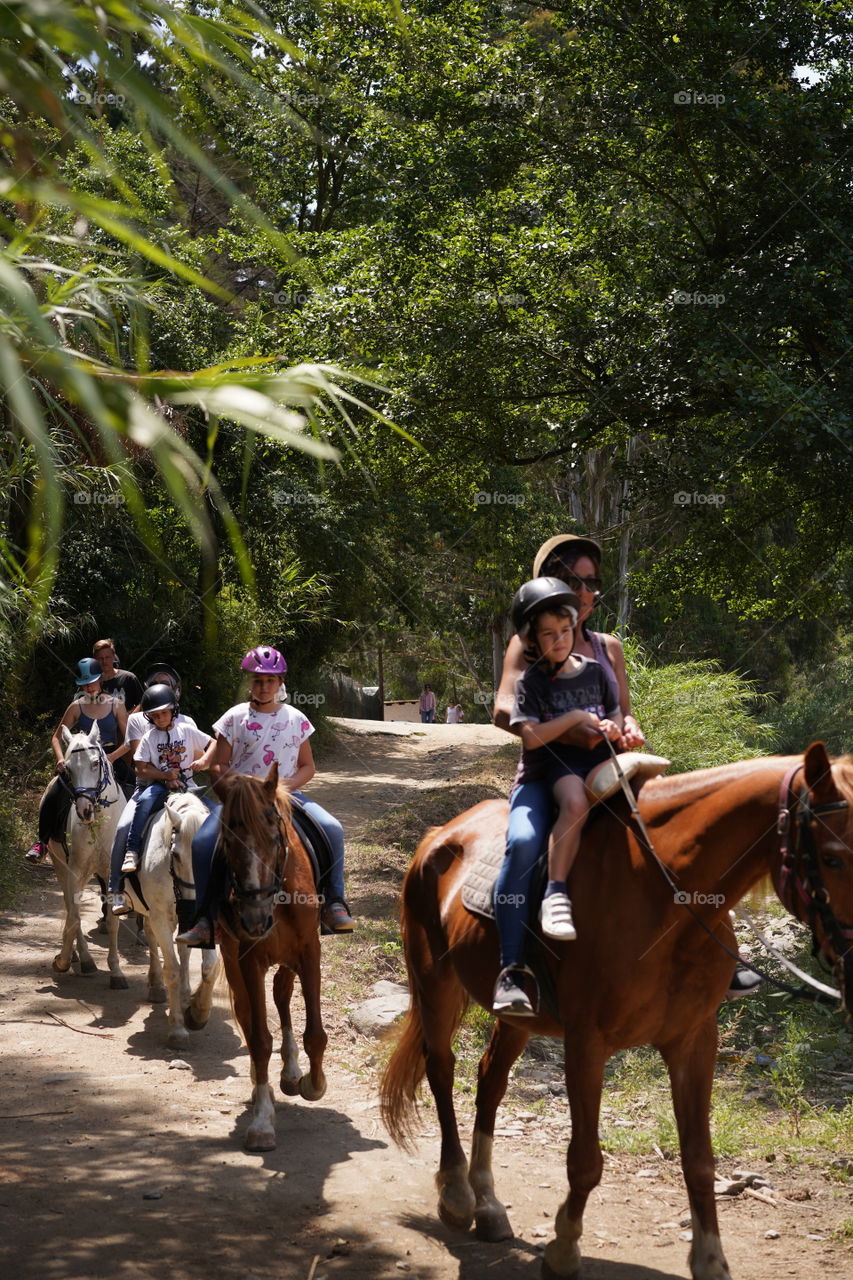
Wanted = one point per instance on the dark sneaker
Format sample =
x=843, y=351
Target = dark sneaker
x=335, y=918
x=510, y=996
x=200, y=935
x=743, y=982
x=36, y=852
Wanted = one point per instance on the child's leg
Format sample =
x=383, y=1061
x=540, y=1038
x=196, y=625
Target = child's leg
x=570, y=794
x=120, y=844
x=152, y=799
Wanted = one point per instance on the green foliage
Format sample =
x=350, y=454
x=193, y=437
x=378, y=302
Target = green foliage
x=818, y=705
x=695, y=713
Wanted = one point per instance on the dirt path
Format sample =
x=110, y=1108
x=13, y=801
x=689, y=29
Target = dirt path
x=119, y=1160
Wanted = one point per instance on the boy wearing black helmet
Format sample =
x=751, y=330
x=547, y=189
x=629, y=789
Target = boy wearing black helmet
x=559, y=691
x=163, y=760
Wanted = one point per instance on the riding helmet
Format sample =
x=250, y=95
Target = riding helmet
x=88, y=671
x=156, y=673
x=264, y=661
x=157, y=697
x=537, y=595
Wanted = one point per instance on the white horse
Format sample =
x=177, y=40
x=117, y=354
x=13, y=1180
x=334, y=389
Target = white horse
x=98, y=802
x=166, y=867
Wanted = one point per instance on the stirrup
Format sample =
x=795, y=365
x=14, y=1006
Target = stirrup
x=534, y=1003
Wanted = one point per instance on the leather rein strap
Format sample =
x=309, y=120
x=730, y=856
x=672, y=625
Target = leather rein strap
x=799, y=885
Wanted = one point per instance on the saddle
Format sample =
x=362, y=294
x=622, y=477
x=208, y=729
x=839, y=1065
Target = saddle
x=314, y=841
x=478, y=885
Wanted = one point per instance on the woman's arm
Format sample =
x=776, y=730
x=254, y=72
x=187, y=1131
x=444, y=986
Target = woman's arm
x=505, y=697
x=120, y=713
x=69, y=719
x=216, y=758
x=632, y=734
x=305, y=768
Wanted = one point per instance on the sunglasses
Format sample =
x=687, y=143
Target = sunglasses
x=572, y=580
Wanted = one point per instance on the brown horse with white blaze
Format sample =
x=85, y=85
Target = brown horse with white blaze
x=270, y=916
x=647, y=967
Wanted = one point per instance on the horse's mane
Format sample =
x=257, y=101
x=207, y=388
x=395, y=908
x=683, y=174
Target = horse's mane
x=245, y=801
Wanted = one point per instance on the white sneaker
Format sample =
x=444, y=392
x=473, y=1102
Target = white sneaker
x=555, y=916
x=131, y=862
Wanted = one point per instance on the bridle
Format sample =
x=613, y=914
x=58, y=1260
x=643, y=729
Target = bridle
x=799, y=883
x=237, y=894
x=105, y=779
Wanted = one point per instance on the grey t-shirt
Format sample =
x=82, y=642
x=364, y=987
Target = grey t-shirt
x=540, y=697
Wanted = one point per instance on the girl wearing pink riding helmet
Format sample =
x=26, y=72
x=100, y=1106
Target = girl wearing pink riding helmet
x=249, y=737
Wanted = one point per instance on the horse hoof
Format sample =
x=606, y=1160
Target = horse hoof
x=88, y=967
x=178, y=1039
x=118, y=982
x=263, y=1140
x=192, y=1022
x=60, y=968
x=553, y=1251
x=157, y=995
x=458, y=1221
x=290, y=1086
x=492, y=1225
x=307, y=1090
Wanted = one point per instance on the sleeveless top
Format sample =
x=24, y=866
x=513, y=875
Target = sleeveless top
x=106, y=724
x=599, y=652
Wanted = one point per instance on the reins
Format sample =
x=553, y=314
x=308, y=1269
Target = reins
x=237, y=893
x=793, y=888
x=105, y=777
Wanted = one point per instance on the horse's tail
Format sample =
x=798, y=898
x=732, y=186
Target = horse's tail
x=427, y=966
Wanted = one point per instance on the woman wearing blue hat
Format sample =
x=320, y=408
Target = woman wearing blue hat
x=90, y=704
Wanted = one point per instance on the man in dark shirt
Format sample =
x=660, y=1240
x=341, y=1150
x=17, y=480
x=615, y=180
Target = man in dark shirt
x=123, y=685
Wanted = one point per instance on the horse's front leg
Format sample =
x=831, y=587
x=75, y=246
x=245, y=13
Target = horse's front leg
x=161, y=925
x=118, y=982
x=246, y=979
x=72, y=888
x=291, y=1071
x=507, y=1042
x=584, y=1076
x=691, y=1072
x=197, y=1012
x=313, y=1085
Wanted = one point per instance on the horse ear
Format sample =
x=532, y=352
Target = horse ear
x=271, y=781
x=818, y=774
x=94, y=733
x=67, y=735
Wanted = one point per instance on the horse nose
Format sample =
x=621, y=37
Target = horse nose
x=85, y=810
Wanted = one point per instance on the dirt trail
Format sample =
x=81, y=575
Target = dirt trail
x=118, y=1160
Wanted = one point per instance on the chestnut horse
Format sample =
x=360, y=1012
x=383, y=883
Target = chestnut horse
x=270, y=916
x=647, y=967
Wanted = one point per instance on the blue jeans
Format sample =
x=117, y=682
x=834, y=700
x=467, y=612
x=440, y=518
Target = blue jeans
x=204, y=847
x=147, y=802
x=120, y=841
x=531, y=809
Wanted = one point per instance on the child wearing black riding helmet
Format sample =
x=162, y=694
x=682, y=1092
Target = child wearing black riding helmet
x=163, y=760
x=560, y=691
x=138, y=724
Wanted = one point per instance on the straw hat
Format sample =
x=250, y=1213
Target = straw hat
x=583, y=546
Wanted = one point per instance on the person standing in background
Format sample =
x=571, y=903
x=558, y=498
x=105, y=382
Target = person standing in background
x=426, y=705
